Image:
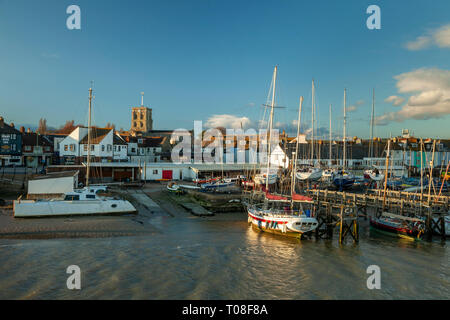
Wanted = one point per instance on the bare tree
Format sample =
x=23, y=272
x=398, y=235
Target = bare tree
x=42, y=128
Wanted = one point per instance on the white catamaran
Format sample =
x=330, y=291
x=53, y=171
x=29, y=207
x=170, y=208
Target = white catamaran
x=85, y=201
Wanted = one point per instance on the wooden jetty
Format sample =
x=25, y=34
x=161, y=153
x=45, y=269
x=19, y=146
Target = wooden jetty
x=335, y=209
x=430, y=207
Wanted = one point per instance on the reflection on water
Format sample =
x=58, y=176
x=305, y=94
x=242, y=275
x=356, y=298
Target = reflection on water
x=194, y=258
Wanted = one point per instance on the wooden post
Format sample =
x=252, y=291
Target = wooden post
x=429, y=225
x=442, y=221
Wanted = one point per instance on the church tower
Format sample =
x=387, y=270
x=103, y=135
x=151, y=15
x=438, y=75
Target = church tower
x=141, y=118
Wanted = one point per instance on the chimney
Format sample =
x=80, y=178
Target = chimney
x=28, y=130
x=2, y=121
x=22, y=129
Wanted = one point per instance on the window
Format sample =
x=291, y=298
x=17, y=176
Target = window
x=90, y=196
x=108, y=148
x=13, y=136
x=142, y=116
x=28, y=148
x=115, y=148
x=155, y=171
x=103, y=147
x=134, y=124
x=47, y=148
x=133, y=150
x=66, y=147
x=72, y=147
x=72, y=197
x=85, y=147
x=13, y=147
x=141, y=124
x=135, y=117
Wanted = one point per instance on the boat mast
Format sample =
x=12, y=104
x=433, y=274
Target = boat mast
x=387, y=171
x=421, y=169
x=430, y=179
x=371, y=125
x=270, y=127
x=296, y=147
x=330, y=135
x=89, y=139
x=312, y=124
x=345, y=122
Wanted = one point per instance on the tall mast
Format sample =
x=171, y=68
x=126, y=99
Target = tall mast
x=330, y=135
x=371, y=125
x=421, y=169
x=345, y=123
x=89, y=139
x=294, y=169
x=312, y=124
x=430, y=179
x=270, y=126
x=387, y=171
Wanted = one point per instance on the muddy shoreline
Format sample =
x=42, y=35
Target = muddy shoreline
x=151, y=201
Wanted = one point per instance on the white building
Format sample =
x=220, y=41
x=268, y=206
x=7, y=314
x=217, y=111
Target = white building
x=105, y=146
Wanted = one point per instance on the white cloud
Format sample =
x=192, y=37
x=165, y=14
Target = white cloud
x=355, y=106
x=395, y=100
x=430, y=95
x=442, y=37
x=227, y=121
x=439, y=37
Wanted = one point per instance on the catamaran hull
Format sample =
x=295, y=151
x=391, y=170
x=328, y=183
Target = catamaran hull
x=286, y=226
x=33, y=208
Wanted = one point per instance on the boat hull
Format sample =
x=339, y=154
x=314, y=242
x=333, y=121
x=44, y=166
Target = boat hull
x=291, y=226
x=391, y=230
x=311, y=176
x=343, y=182
x=36, y=208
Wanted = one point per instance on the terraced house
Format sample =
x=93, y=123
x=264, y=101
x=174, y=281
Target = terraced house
x=10, y=145
x=106, y=146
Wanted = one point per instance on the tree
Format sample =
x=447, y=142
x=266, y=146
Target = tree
x=42, y=128
x=67, y=128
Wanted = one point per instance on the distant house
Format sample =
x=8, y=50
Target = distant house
x=37, y=149
x=145, y=149
x=10, y=145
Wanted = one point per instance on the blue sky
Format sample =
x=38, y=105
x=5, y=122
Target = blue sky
x=204, y=58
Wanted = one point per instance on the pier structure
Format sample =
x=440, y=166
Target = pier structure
x=432, y=208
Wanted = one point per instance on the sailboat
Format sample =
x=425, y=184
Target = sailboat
x=310, y=173
x=344, y=179
x=328, y=173
x=84, y=201
x=372, y=173
x=282, y=218
x=269, y=175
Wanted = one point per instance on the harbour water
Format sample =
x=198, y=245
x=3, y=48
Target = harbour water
x=222, y=258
